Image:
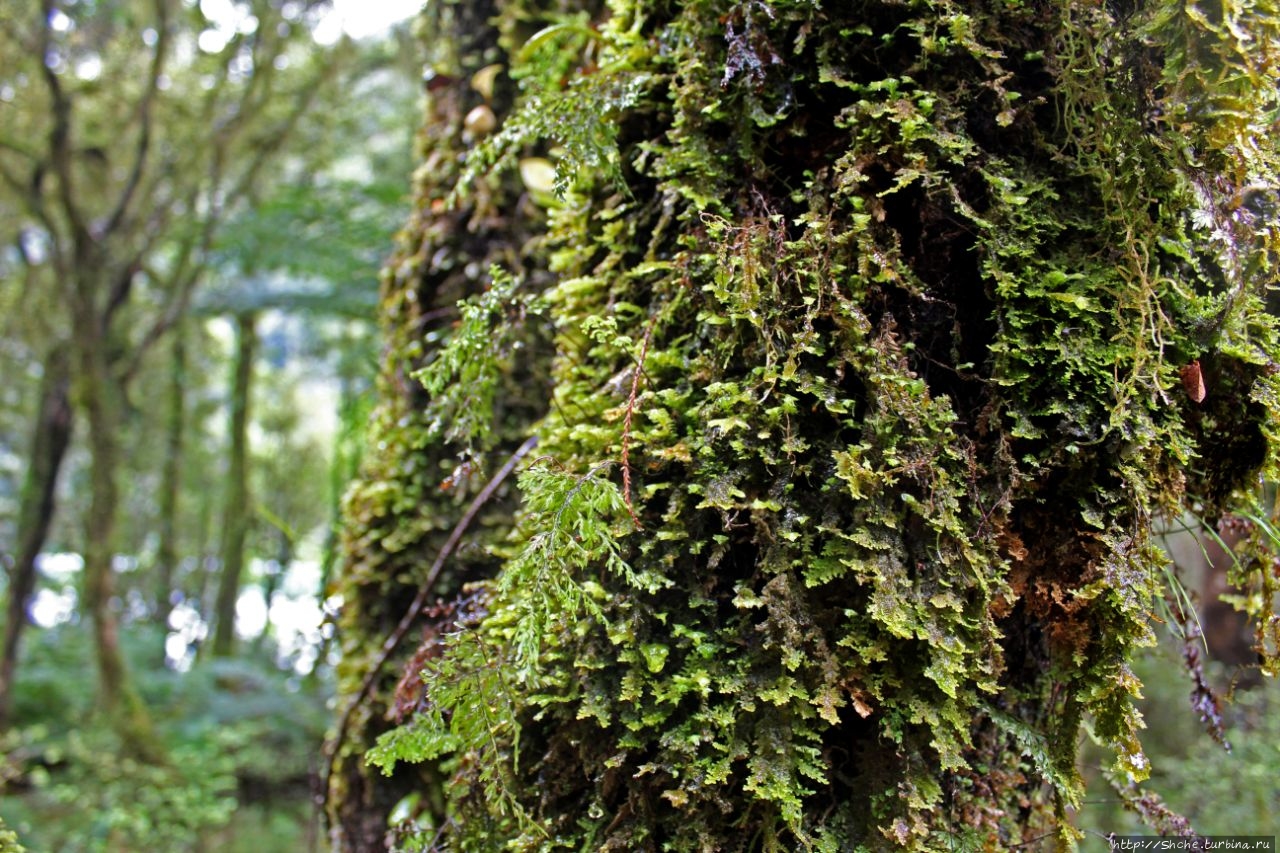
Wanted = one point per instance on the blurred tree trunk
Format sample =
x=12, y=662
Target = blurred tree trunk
x=171, y=480
x=101, y=394
x=236, y=509
x=52, y=435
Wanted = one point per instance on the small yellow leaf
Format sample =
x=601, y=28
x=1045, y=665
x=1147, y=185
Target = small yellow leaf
x=538, y=174
x=482, y=80
x=676, y=797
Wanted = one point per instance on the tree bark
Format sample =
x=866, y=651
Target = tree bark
x=236, y=509
x=49, y=441
x=101, y=395
x=868, y=330
x=412, y=490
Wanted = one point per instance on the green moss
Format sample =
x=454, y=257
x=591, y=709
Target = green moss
x=869, y=328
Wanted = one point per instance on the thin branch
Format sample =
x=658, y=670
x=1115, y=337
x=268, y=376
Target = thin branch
x=145, y=119
x=189, y=270
x=179, y=298
x=306, y=97
x=60, y=139
x=411, y=615
x=31, y=197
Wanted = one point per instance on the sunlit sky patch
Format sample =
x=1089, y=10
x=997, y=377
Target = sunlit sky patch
x=356, y=18
x=360, y=18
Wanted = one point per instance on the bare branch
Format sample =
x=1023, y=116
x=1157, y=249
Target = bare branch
x=144, y=119
x=181, y=284
x=60, y=108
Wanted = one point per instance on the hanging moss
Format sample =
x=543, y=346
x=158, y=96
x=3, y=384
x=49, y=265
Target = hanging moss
x=882, y=334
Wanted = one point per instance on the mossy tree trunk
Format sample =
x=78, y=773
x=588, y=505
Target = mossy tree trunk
x=236, y=510
x=883, y=332
x=418, y=478
x=100, y=393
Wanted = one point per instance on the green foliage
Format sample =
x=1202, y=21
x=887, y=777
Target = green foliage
x=1218, y=791
x=573, y=112
x=891, y=341
x=9, y=840
x=569, y=120
x=1222, y=792
x=471, y=713
x=464, y=376
x=98, y=800
x=70, y=786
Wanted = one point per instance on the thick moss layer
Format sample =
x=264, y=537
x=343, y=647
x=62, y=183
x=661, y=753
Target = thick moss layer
x=882, y=333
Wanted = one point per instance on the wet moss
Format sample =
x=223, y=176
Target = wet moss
x=869, y=324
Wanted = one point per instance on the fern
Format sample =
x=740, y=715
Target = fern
x=464, y=377
x=578, y=519
x=472, y=710
x=1054, y=764
x=579, y=120
x=470, y=713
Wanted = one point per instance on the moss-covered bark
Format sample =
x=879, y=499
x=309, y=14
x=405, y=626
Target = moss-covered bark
x=419, y=477
x=882, y=332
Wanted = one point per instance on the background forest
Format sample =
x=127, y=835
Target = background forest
x=196, y=201
x=174, y=279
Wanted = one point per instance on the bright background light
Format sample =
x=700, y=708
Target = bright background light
x=360, y=18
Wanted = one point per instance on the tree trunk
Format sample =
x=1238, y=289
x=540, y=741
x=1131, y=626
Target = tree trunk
x=102, y=398
x=412, y=491
x=236, y=510
x=171, y=482
x=882, y=333
x=49, y=441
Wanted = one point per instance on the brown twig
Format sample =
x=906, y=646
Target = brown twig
x=626, y=424
x=397, y=636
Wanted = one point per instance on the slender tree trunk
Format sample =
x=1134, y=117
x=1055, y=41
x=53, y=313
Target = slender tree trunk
x=171, y=482
x=236, y=509
x=53, y=427
x=102, y=397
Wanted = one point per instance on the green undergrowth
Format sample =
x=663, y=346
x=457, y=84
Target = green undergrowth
x=1220, y=791
x=883, y=332
x=230, y=770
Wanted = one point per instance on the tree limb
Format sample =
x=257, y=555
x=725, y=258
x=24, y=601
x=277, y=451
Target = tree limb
x=60, y=139
x=144, y=119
